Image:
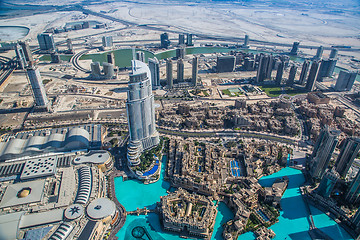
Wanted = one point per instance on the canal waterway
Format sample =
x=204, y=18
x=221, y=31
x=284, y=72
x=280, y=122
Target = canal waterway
x=293, y=221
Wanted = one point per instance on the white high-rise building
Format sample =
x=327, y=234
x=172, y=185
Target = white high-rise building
x=37, y=86
x=155, y=72
x=140, y=112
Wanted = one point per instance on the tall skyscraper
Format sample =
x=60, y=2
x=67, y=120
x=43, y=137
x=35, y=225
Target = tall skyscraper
x=140, y=56
x=333, y=53
x=180, y=52
x=180, y=70
x=181, y=39
x=353, y=193
x=326, y=68
x=246, y=41
x=37, y=87
x=319, y=53
x=194, y=76
x=261, y=71
x=169, y=74
x=27, y=52
x=279, y=73
x=189, y=39
x=295, y=48
x=292, y=75
x=269, y=67
x=164, y=40
x=310, y=84
x=322, y=152
x=155, y=72
x=347, y=155
x=46, y=41
x=107, y=41
x=304, y=71
x=140, y=112
x=327, y=183
x=345, y=81
x=356, y=220
x=21, y=59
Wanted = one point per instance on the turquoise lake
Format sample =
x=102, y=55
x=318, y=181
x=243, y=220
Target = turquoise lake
x=293, y=221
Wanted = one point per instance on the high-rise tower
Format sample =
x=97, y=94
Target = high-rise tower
x=295, y=48
x=140, y=112
x=292, y=74
x=347, y=155
x=46, y=41
x=169, y=74
x=180, y=71
x=194, y=76
x=322, y=152
x=310, y=84
x=155, y=72
x=37, y=86
x=246, y=41
x=353, y=193
x=327, y=183
x=279, y=73
x=345, y=81
x=304, y=71
x=319, y=53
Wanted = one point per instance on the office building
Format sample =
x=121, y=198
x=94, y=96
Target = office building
x=180, y=71
x=107, y=41
x=326, y=68
x=110, y=58
x=37, y=87
x=180, y=53
x=169, y=74
x=304, y=71
x=69, y=45
x=353, y=193
x=95, y=69
x=27, y=52
x=46, y=42
x=108, y=70
x=181, y=39
x=194, y=76
x=319, y=53
x=189, y=39
x=140, y=56
x=333, y=53
x=225, y=63
x=21, y=59
x=140, y=112
x=85, y=25
x=292, y=74
x=345, y=81
x=323, y=150
x=269, y=67
x=294, y=49
x=327, y=183
x=155, y=72
x=164, y=40
x=348, y=153
x=310, y=83
x=246, y=41
x=249, y=64
x=279, y=73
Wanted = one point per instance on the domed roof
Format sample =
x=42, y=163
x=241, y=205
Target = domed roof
x=101, y=208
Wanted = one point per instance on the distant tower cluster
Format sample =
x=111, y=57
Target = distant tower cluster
x=345, y=81
x=38, y=89
x=140, y=112
x=323, y=149
x=46, y=42
x=154, y=67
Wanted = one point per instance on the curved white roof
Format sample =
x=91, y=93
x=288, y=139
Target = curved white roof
x=94, y=157
x=62, y=232
x=14, y=146
x=101, y=208
x=85, y=182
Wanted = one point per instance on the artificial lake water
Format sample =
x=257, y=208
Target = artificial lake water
x=293, y=221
